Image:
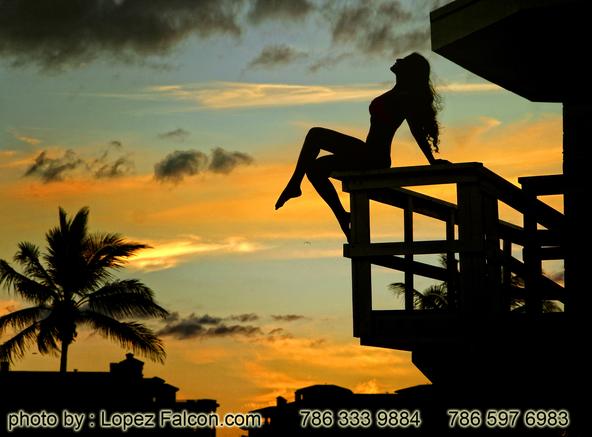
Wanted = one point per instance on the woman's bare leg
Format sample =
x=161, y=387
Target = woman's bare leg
x=318, y=174
x=316, y=140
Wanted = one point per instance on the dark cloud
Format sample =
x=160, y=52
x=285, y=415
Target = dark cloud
x=54, y=169
x=278, y=334
x=205, y=326
x=287, y=10
x=120, y=167
x=250, y=317
x=116, y=144
x=276, y=55
x=383, y=28
x=70, y=164
x=287, y=317
x=223, y=161
x=178, y=164
x=225, y=330
x=60, y=34
x=175, y=135
x=328, y=61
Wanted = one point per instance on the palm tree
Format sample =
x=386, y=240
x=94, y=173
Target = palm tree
x=72, y=285
x=436, y=297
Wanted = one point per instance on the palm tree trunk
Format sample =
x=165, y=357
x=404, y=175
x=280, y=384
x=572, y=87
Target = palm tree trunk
x=64, y=357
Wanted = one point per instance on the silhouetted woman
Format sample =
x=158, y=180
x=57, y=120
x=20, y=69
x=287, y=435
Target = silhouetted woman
x=412, y=98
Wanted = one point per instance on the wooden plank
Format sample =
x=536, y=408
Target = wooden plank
x=521, y=201
x=408, y=240
x=511, y=232
x=361, y=268
x=472, y=264
x=416, y=248
x=551, y=253
x=506, y=272
x=409, y=176
x=418, y=268
x=544, y=285
x=543, y=185
x=422, y=204
x=533, y=268
x=545, y=237
x=493, y=290
x=451, y=265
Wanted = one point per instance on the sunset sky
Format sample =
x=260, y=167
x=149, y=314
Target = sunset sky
x=177, y=123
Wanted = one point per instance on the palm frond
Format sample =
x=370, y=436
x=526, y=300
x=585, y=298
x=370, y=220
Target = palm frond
x=65, y=247
x=28, y=289
x=125, y=298
x=398, y=288
x=110, y=250
x=435, y=297
x=21, y=319
x=131, y=335
x=48, y=337
x=28, y=257
x=16, y=347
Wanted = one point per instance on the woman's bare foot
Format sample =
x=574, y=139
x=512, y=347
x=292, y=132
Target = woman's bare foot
x=290, y=192
x=345, y=223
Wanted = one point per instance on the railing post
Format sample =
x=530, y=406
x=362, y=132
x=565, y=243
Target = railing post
x=506, y=275
x=493, y=282
x=451, y=267
x=361, y=267
x=472, y=263
x=408, y=238
x=533, y=268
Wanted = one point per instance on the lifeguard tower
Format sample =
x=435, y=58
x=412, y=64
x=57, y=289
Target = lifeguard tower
x=533, y=48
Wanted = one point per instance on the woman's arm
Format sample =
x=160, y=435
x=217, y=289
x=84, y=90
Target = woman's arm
x=422, y=142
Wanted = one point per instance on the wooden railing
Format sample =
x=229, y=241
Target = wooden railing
x=482, y=284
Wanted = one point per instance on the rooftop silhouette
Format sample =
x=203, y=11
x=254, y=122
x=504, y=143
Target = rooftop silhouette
x=123, y=388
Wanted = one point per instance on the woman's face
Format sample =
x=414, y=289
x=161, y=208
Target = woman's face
x=398, y=65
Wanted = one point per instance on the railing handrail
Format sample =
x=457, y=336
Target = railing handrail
x=399, y=177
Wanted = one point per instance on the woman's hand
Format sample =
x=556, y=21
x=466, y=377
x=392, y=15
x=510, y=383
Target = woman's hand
x=441, y=161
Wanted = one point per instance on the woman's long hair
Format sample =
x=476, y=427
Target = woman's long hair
x=425, y=101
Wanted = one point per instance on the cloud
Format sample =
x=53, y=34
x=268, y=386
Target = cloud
x=54, y=169
x=231, y=95
x=328, y=61
x=116, y=144
x=70, y=164
x=377, y=28
x=456, y=87
x=276, y=55
x=250, y=317
x=224, y=162
x=285, y=10
x=287, y=317
x=64, y=34
x=168, y=254
x=120, y=167
x=241, y=95
x=175, y=135
x=205, y=326
x=179, y=164
x=28, y=139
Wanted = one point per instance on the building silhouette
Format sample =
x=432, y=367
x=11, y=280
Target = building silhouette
x=122, y=389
